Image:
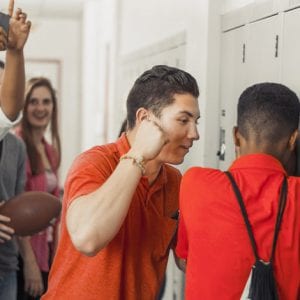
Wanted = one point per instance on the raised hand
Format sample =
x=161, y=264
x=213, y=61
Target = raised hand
x=3, y=39
x=149, y=140
x=19, y=28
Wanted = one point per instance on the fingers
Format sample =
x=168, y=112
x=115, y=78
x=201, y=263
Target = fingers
x=3, y=45
x=3, y=42
x=4, y=219
x=4, y=237
x=28, y=26
x=5, y=231
x=11, y=7
x=20, y=15
x=158, y=125
x=23, y=16
x=19, y=29
x=34, y=287
x=151, y=146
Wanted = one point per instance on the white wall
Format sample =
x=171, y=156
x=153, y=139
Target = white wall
x=98, y=58
x=229, y=5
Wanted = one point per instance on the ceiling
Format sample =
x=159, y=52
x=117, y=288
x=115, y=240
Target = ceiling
x=47, y=8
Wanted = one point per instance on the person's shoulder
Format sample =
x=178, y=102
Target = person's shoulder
x=294, y=182
x=203, y=174
x=98, y=151
x=97, y=156
x=13, y=146
x=14, y=139
x=93, y=165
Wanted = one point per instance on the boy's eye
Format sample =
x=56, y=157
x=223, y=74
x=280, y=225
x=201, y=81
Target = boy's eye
x=183, y=121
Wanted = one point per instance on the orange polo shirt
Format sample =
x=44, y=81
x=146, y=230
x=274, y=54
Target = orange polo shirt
x=212, y=235
x=132, y=266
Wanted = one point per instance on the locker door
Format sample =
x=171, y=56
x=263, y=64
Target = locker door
x=263, y=50
x=291, y=50
x=232, y=83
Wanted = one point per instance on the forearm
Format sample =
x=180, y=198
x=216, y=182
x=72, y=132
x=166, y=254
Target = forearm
x=13, y=84
x=25, y=249
x=33, y=283
x=93, y=220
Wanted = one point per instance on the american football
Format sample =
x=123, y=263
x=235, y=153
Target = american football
x=31, y=212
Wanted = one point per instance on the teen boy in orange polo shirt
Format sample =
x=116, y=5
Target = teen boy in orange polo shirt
x=212, y=235
x=117, y=225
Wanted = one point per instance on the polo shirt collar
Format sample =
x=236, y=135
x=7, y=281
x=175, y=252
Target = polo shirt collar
x=123, y=144
x=258, y=161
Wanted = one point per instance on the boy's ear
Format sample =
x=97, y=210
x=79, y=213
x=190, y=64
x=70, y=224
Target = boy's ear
x=293, y=140
x=141, y=114
x=236, y=136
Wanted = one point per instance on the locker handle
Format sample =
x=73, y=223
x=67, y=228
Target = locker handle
x=276, y=45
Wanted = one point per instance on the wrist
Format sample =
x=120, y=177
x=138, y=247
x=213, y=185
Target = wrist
x=28, y=260
x=137, y=160
x=14, y=51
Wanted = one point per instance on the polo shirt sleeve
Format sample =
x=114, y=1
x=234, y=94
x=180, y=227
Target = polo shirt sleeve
x=6, y=124
x=182, y=240
x=88, y=172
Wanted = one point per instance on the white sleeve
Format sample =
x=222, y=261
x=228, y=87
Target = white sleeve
x=6, y=124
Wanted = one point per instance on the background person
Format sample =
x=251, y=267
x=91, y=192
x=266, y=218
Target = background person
x=12, y=150
x=40, y=111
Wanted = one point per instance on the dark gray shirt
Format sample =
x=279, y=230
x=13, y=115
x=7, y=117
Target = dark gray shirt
x=12, y=180
x=4, y=21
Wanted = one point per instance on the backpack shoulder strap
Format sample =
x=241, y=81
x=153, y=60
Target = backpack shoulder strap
x=282, y=203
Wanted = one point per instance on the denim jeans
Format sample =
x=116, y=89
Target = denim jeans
x=8, y=285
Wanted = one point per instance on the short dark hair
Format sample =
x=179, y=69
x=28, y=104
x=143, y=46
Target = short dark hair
x=155, y=89
x=2, y=64
x=268, y=111
x=123, y=127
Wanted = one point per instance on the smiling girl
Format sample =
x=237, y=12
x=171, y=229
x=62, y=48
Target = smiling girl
x=43, y=158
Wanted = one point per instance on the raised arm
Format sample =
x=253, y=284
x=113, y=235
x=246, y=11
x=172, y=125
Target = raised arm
x=13, y=84
x=94, y=219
